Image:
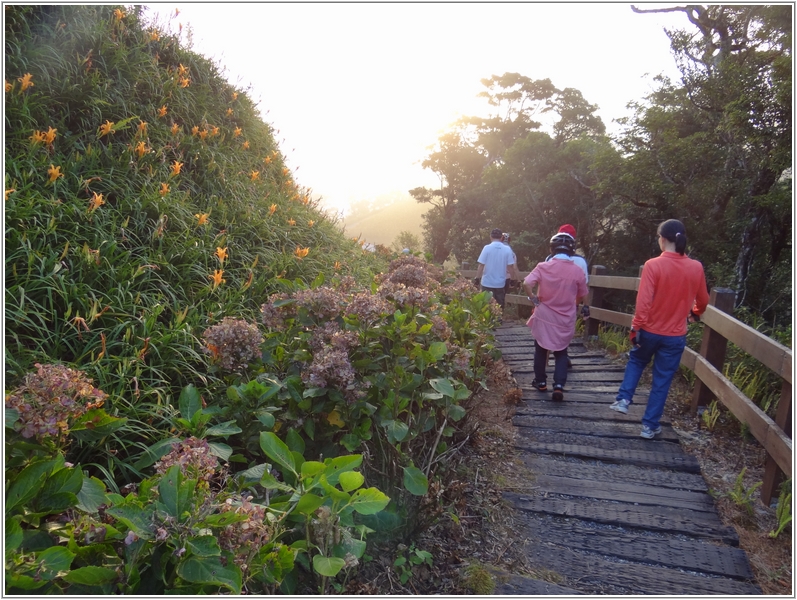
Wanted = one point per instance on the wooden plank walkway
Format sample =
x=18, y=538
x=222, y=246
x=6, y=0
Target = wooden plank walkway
x=609, y=511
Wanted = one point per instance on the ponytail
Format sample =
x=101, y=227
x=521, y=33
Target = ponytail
x=674, y=231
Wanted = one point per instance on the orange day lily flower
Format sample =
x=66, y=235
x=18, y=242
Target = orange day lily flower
x=154, y=36
x=119, y=14
x=9, y=86
x=202, y=218
x=185, y=82
x=9, y=192
x=291, y=222
x=267, y=160
x=195, y=130
x=49, y=137
x=95, y=202
x=141, y=149
x=54, y=173
x=214, y=131
x=203, y=134
x=26, y=81
x=255, y=175
x=301, y=252
x=337, y=265
x=237, y=132
x=181, y=70
x=175, y=128
x=272, y=209
x=217, y=279
x=221, y=253
x=235, y=95
x=246, y=145
x=106, y=128
x=162, y=111
x=229, y=112
x=310, y=223
x=164, y=189
x=176, y=166
x=36, y=138
x=142, y=128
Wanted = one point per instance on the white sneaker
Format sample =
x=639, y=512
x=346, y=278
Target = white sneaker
x=621, y=406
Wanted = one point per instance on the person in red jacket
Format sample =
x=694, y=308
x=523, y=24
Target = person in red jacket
x=672, y=292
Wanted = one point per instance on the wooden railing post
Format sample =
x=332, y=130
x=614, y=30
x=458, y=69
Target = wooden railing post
x=773, y=476
x=595, y=298
x=713, y=346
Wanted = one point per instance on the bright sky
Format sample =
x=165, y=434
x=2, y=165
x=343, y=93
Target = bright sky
x=360, y=91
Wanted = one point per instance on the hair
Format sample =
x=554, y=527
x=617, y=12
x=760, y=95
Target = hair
x=674, y=231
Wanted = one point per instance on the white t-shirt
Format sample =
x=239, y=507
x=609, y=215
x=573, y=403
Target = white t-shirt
x=579, y=260
x=496, y=257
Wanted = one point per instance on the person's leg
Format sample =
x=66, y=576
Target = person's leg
x=540, y=362
x=638, y=359
x=500, y=296
x=665, y=365
x=560, y=368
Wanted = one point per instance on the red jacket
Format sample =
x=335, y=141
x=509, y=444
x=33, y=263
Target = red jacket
x=671, y=285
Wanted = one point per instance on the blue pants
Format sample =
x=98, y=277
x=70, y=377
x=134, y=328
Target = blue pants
x=541, y=362
x=666, y=351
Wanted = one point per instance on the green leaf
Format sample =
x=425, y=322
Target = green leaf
x=351, y=480
x=396, y=430
x=210, y=570
x=368, y=501
x=456, y=412
x=314, y=392
x=91, y=495
x=223, y=451
x=341, y=464
x=266, y=418
x=14, y=534
x=294, y=441
x=277, y=451
x=205, y=545
x=438, y=350
x=270, y=482
x=327, y=566
x=138, y=519
x=28, y=483
x=311, y=468
x=95, y=425
x=443, y=386
x=53, y=561
x=308, y=504
x=12, y=416
x=415, y=481
x=224, y=429
x=190, y=401
x=254, y=473
x=176, y=492
x=91, y=576
x=350, y=441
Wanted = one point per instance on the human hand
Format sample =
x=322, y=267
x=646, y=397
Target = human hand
x=585, y=311
x=693, y=318
x=632, y=337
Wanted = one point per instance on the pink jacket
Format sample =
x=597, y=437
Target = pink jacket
x=561, y=283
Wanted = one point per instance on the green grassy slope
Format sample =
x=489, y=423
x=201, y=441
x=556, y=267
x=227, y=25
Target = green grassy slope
x=380, y=222
x=145, y=200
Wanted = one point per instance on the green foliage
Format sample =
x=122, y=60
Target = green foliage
x=407, y=559
x=741, y=495
x=710, y=415
x=478, y=580
x=614, y=338
x=783, y=510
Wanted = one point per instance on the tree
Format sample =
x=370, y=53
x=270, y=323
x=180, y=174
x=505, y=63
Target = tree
x=406, y=240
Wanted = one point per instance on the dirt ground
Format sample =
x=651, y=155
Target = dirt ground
x=475, y=529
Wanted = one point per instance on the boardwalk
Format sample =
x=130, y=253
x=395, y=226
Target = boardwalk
x=610, y=512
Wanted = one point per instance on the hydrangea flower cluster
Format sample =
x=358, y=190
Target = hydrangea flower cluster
x=440, y=328
x=274, y=316
x=50, y=397
x=194, y=457
x=460, y=288
x=323, y=302
x=233, y=343
x=368, y=308
x=245, y=538
x=405, y=296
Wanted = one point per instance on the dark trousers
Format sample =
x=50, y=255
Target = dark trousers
x=541, y=361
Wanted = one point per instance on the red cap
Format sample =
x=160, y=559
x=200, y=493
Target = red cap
x=568, y=229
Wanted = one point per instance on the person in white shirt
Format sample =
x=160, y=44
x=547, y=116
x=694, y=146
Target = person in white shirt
x=493, y=261
x=506, y=238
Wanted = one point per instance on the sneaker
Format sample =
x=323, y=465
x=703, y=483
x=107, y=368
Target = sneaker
x=621, y=406
x=648, y=433
x=540, y=385
x=558, y=393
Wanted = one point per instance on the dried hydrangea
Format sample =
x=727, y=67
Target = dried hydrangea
x=274, y=316
x=194, y=457
x=440, y=328
x=244, y=538
x=50, y=397
x=403, y=295
x=345, y=284
x=368, y=308
x=461, y=360
x=323, y=302
x=460, y=288
x=330, y=334
x=330, y=367
x=233, y=343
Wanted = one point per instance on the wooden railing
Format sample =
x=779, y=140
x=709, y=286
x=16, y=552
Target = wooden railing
x=719, y=329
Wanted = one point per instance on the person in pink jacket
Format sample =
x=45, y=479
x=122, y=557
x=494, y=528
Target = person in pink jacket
x=672, y=292
x=560, y=285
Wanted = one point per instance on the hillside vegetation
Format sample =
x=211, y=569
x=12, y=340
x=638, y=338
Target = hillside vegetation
x=381, y=221
x=210, y=387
